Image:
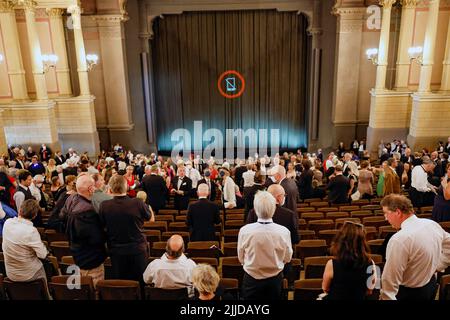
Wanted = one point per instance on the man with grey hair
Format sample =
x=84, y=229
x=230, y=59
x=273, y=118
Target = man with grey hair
x=289, y=186
x=264, y=247
x=202, y=216
x=422, y=192
x=85, y=232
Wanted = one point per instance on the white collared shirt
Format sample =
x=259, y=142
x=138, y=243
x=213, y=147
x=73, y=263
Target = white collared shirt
x=413, y=255
x=419, y=179
x=263, y=248
x=36, y=192
x=22, y=248
x=195, y=176
x=229, y=193
x=249, y=178
x=170, y=274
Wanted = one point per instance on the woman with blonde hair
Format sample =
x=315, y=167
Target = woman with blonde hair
x=206, y=281
x=50, y=170
x=350, y=274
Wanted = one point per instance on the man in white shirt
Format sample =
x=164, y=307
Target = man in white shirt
x=263, y=248
x=22, y=245
x=422, y=192
x=173, y=270
x=228, y=189
x=414, y=254
x=249, y=176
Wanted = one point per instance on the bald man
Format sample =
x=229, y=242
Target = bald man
x=202, y=215
x=282, y=216
x=86, y=235
x=173, y=270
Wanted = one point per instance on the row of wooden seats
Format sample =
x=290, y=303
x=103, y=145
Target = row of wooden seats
x=106, y=290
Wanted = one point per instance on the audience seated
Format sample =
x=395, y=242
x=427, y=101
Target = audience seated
x=173, y=270
x=22, y=245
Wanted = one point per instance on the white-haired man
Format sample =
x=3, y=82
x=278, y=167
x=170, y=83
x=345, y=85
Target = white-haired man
x=264, y=247
x=289, y=186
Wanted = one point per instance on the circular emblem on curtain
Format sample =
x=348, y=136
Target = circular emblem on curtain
x=231, y=84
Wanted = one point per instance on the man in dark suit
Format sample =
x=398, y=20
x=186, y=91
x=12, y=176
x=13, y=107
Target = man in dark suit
x=156, y=189
x=338, y=187
x=20, y=162
x=289, y=186
x=282, y=216
x=202, y=216
x=181, y=189
x=211, y=185
x=238, y=172
x=59, y=158
x=45, y=153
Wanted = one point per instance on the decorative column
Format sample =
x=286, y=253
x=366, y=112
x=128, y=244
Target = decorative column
x=430, y=114
x=13, y=55
x=346, y=75
x=35, y=50
x=115, y=73
x=59, y=45
x=83, y=78
x=383, y=48
x=315, y=31
x=406, y=34
x=429, y=47
x=445, y=83
x=146, y=34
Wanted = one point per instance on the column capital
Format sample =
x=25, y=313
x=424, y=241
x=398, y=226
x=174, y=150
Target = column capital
x=75, y=14
x=54, y=12
x=409, y=4
x=7, y=6
x=387, y=4
x=26, y=4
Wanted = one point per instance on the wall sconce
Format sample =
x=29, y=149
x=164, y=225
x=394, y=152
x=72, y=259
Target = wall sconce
x=1, y=58
x=49, y=61
x=92, y=60
x=415, y=54
x=372, y=55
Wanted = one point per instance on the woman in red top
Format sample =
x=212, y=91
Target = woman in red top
x=129, y=176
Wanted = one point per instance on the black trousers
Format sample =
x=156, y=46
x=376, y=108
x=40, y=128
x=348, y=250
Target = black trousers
x=129, y=267
x=425, y=293
x=421, y=199
x=264, y=289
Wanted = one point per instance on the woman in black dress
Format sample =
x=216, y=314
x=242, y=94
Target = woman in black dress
x=441, y=207
x=351, y=274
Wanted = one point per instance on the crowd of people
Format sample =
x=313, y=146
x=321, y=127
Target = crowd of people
x=102, y=204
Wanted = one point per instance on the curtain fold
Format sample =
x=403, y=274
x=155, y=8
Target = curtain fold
x=269, y=49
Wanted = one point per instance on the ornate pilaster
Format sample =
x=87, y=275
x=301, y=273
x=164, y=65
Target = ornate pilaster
x=406, y=34
x=115, y=71
x=429, y=47
x=346, y=75
x=59, y=45
x=13, y=54
x=383, y=48
x=29, y=7
x=83, y=78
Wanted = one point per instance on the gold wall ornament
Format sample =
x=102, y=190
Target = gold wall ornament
x=7, y=6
